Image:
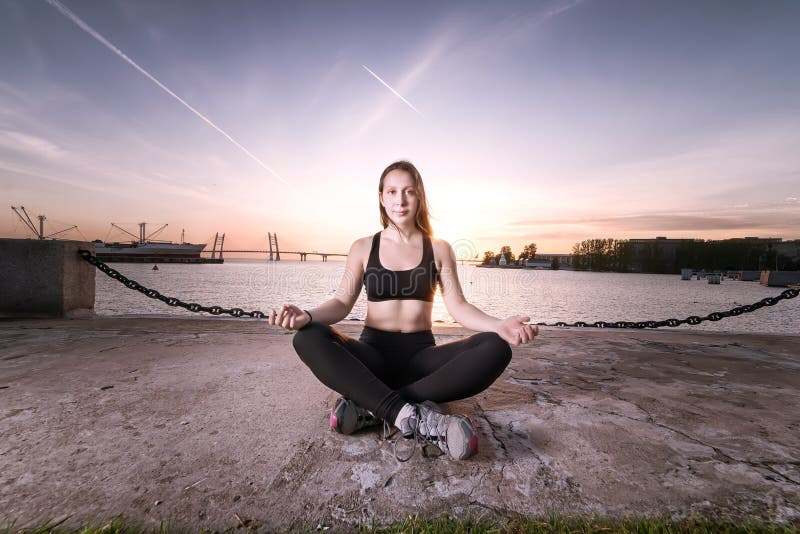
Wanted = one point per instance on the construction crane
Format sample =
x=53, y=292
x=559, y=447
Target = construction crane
x=39, y=233
x=142, y=237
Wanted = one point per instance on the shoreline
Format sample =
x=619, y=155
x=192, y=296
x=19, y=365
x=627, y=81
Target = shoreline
x=436, y=324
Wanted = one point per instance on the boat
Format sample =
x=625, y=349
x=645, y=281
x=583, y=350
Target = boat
x=145, y=250
x=148, y=249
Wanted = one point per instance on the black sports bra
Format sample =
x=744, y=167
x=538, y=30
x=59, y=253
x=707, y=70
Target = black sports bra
x=418, y=283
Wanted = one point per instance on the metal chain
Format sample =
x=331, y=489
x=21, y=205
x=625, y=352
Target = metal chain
x=691, y=320
x=169, y=301
x=238, y=312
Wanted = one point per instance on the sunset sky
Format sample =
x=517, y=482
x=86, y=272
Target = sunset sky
x=549, y=122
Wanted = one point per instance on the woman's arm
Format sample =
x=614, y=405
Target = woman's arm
x=512, y=329
x=337, y=307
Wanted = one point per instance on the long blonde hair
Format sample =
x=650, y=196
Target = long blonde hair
x=422, y=217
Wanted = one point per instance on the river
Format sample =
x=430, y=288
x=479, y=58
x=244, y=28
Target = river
x=544, y=295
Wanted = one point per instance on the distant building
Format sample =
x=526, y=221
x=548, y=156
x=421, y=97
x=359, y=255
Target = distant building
x=564, y=260
x=789, y=249
x=660, y=250
x=537, y=263
x=753, y=240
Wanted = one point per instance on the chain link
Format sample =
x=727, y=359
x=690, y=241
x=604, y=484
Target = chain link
x=238, y=312
x=691, y=320
x=169, y=301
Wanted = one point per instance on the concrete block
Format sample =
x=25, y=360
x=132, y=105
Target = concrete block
x=45, y=278
x=749, y=276
x=779, y=278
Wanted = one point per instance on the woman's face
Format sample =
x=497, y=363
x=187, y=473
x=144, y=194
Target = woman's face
x=399, y=197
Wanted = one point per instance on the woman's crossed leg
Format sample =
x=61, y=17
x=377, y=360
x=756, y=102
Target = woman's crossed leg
x=440, y=373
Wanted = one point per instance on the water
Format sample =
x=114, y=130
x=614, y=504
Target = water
x=544, y=295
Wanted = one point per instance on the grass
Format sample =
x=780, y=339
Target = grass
x=555, y=524
x=560, y=524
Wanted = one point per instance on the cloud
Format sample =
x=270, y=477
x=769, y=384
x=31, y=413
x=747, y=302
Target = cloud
x=527, y=236
x=675, y=222
x=519, y=26
x=91, y=31
x=30, y=145
x=750, y=163
x=435, y=49
x=536, y=19
x=559, y=9
x=46, y=160
x=9, y=91
x=324, y=87
x=766, y=219
x=16, y=22
x=9, y=168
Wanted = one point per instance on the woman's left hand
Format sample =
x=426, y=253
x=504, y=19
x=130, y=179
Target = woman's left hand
x=515, y=331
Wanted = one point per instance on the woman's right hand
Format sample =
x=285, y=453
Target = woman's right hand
x=515, y=330
x=290, y=317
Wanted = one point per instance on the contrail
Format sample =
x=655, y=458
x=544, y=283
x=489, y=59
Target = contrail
x=560, y=9
x=88, y=29
x=389, y=87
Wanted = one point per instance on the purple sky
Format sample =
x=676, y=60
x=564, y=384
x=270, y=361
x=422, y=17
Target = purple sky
x=549, y=122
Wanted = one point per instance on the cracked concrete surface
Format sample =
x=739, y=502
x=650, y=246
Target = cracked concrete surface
x=197, y=421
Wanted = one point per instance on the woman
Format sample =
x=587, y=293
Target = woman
x=394, y=371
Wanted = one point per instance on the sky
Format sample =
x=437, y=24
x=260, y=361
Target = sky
x=535, y=121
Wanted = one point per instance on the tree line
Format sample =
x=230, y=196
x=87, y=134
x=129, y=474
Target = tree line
x=620, y=255
x=668, y=257
x=528, y=253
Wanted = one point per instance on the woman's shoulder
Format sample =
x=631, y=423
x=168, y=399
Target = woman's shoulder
x=439, y=244
x=362, y=244
x=441, y=248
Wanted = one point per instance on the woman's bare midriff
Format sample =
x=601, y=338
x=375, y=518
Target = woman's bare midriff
x=399, y=315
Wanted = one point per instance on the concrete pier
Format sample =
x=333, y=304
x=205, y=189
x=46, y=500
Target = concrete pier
x=197, y=421
x=41, y=278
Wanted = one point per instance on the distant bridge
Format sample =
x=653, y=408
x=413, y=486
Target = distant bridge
x=276, y=255
x=275, y=252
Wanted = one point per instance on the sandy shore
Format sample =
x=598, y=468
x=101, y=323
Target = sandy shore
x=194, y=421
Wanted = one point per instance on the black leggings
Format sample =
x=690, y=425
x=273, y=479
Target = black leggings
x=381, y=371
